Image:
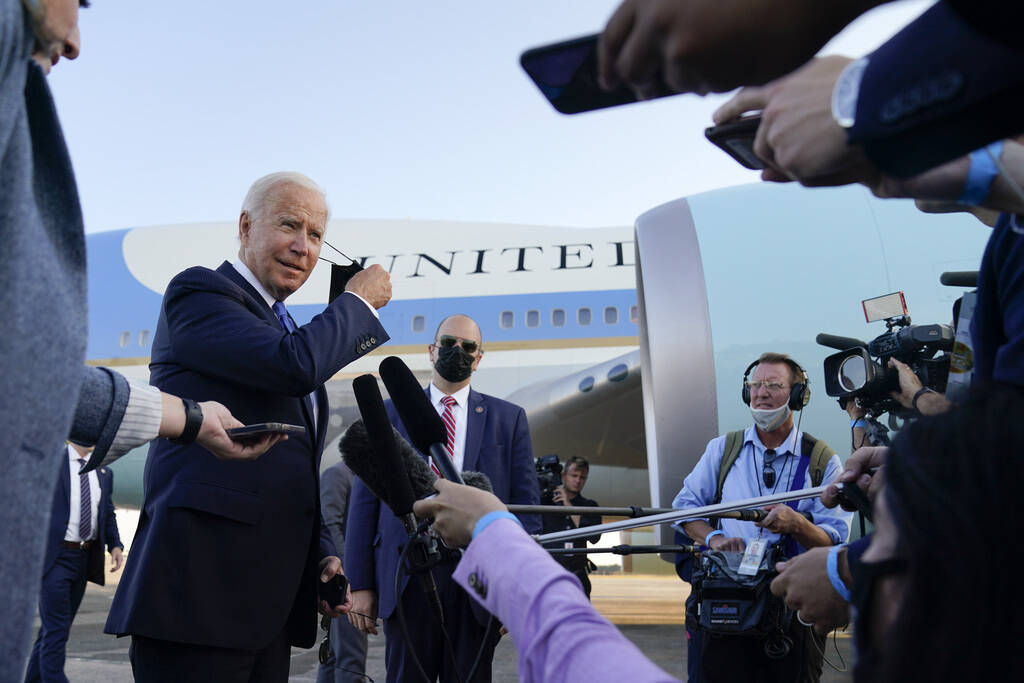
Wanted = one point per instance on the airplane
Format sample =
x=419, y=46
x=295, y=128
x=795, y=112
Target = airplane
x=626, y=345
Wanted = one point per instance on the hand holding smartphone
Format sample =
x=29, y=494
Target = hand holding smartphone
x=253, y=432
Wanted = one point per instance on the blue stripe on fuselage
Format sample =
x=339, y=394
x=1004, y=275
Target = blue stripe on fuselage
x=118, y=303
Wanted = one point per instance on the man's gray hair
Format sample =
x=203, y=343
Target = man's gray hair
x=257, y=194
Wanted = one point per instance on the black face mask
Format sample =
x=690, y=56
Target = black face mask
x=865, y=577
x=453, y=364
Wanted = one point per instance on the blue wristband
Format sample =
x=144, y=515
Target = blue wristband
x=486, y=520
x=859, y=422
x=982, y=172
x=832, y=566
x=716, y=532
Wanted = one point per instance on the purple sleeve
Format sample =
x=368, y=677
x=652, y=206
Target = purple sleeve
x=558, y=633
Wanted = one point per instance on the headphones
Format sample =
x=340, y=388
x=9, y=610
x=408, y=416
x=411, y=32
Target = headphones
x=799, y=393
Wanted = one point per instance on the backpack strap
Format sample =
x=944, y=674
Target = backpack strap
x=733, y=446
x=820, y=453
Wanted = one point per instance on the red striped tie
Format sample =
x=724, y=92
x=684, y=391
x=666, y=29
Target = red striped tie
x=449, y=424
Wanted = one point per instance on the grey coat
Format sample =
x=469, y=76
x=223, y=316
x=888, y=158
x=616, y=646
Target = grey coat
x=43, y=312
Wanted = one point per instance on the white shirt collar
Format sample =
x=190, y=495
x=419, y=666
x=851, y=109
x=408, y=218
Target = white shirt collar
x=461, y=396
x=244, y=271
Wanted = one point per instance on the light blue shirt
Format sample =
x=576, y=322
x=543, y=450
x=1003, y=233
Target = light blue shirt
x=744, y=481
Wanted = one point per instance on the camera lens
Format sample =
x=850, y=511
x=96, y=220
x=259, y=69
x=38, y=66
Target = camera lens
x=852, y=373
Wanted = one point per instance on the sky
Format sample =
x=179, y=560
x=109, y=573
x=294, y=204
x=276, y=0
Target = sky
x=398, y=109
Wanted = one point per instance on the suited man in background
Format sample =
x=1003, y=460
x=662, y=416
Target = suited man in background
x=348, y=644
x=485, y=434
x=223, y=575
x=82, y=524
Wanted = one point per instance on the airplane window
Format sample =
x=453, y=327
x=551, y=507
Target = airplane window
x=586, y=384
x=611, y=315
x=583, y=316
x=143, y=340
x=125, y=338
x=419, y=322
x=532, y=318
x=507, y=320
x=558, y=317
x=618, y=373
x=634, y=313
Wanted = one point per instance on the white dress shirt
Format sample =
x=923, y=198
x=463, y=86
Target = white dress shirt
x=459, y=412
x=75, y=502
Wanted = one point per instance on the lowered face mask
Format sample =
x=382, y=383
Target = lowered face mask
x=770, y=418
x=453, y=363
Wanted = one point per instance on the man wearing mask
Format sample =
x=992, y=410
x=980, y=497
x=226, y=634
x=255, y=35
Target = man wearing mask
x=770, y=456
x=485, y=434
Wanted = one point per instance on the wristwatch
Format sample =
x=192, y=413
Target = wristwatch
x=845, y=92
x=193, y=421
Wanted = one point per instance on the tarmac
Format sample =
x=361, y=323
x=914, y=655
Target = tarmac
x=647, y=609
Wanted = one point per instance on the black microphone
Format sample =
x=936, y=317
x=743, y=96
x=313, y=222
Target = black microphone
x=959, y=278
x=478, y=480
x=422, y=423
x=837, y=342
x=388, y=474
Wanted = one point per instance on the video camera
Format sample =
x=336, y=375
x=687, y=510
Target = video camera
x=853, y=374
x=549, y=476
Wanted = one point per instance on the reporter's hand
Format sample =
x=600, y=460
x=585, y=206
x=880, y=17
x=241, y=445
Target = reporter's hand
x=857, y=471
x=714, y=45
x=363, y=613
x=782, y=519
x=804, y=584
x=559, y=496
x=372, y=284
x=213, y=436
x=456, y=510
x=798, y=139
x=722, y=543
x=909, y=383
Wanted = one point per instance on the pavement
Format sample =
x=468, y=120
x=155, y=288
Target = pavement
x=629, y=601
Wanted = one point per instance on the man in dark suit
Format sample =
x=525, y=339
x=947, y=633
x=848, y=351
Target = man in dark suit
x=82, y=524
x=223, y=575
x=348, y=644
x=485, y=434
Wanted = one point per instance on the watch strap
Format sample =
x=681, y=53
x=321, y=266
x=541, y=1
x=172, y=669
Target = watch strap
x=193, y=421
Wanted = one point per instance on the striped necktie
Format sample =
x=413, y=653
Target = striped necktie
x=85, y=510
x=448, y=417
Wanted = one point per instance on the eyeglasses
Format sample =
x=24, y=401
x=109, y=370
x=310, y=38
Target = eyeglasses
x=447, y=341
x=768, y=471
x=772, y=387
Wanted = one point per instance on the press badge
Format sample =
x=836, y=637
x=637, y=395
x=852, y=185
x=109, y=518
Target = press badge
x=752, y=557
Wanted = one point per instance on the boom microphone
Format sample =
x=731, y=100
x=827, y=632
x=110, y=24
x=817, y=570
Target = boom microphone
x=389, y=475
x=959, y=278
x=839, y=343
x=422, y=423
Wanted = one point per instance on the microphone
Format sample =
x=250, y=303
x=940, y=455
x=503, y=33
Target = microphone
x=478, y=480
x=388, y=474
x=422, y=423
x=959, y=278
x=837, y=342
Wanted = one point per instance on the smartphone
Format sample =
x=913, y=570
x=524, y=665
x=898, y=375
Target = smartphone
x=254, y=432
x=333, y=592
x=736, y=138
x=566, y=74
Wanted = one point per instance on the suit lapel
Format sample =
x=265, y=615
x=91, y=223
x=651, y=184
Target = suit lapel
x=260, y=304
x=476, y=417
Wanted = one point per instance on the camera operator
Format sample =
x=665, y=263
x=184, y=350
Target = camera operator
x=770, y=456
x=574, y=478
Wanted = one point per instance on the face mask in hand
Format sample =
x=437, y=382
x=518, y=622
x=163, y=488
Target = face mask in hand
x=453, y=364
x=769, y=419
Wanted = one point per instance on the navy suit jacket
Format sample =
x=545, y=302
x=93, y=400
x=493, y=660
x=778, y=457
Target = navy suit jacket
x=937, y=90
x=227, y=553
x=106, y=532
x=497, y=444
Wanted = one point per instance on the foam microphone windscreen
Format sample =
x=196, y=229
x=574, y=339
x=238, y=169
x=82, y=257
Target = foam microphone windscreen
x=421, y=477
x=477, y=480
x=381, y=436
x=358, y=454
x=421, y=421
